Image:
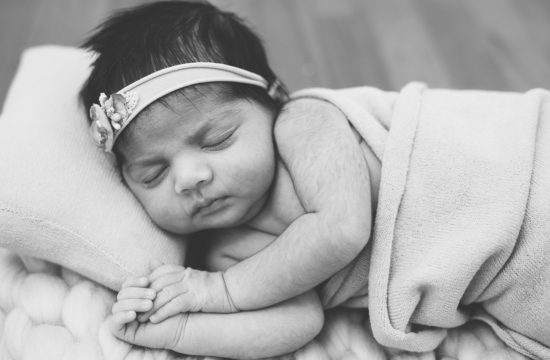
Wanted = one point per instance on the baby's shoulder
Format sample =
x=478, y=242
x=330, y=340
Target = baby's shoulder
x=303, y=115
x=309, y=107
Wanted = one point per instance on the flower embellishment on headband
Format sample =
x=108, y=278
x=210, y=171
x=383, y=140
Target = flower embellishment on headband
x=109, y=117
x=115, y=112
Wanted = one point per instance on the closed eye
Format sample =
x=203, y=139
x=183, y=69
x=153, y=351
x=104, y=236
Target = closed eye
x=151, y=178
x=219, y=142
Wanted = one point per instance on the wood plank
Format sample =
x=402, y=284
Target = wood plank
x=404, y=42
x=535, y=17
x=459, y=39
x=489, y=44
x=509, y=44
x=345, y=48
x=14, y=32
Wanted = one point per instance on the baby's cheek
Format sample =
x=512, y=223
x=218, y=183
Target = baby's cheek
x=157, y=208
x=172, y=216
x=164, y=216
x=256, y=166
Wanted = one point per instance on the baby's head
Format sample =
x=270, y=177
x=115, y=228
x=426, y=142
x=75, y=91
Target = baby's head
x=191, y=113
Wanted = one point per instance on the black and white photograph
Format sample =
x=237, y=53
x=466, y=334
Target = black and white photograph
x=275, y=179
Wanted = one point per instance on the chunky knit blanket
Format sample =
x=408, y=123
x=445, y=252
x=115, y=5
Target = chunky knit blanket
x=48, y=312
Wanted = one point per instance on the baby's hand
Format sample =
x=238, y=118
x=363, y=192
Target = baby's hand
x=181, y=289
x=134, y=297
x=168, y=334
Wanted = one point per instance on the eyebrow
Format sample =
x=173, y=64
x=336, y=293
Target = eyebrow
x=211, y=121
x=194, y=136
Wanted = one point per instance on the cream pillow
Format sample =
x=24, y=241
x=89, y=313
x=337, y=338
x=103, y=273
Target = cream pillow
x=60, y=198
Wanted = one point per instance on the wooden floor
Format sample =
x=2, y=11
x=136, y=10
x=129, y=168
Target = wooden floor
x=485, y=44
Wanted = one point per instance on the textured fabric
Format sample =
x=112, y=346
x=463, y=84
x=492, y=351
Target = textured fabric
x=48, y=312
x=462, y=227
x=61, y=199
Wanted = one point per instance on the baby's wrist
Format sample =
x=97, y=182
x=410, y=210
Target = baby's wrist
x=221, y=301
x=178, y=343
x=232, y=306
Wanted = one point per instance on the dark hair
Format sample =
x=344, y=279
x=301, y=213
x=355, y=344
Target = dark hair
x=136, y=42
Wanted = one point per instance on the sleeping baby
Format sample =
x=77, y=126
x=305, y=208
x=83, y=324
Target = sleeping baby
x=283, y=194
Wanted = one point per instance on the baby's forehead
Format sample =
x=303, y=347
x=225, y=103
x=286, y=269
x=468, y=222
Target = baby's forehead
x=176, y=117
x=188, y=103
x=181, y=110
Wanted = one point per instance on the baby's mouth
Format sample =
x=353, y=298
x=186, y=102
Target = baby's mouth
x=206, y=206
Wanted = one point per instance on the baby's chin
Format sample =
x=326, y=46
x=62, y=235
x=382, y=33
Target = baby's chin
x=192, y=227
x=234, y=213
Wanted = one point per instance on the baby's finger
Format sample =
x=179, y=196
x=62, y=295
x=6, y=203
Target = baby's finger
x=166, y=280
x=164, y=296
x=176, y=306
x=156, y=305
x=123, y=317
x=136, y=305
x=145, y=316
x=163, y=270
x=169, y=293
x=136, y=293
x=136, y=282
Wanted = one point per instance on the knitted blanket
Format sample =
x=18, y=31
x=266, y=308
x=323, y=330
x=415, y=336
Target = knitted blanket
x=462, y=228
x=48, y=312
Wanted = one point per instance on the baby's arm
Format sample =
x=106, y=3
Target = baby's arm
x=182, y=289
x=273, y=331
x=331, y=179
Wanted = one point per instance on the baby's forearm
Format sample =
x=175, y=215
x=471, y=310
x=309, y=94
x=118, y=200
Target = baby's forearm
x=307, y=253
x=254, y=334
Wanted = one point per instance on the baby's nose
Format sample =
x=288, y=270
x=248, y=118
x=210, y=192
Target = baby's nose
x=191, y=177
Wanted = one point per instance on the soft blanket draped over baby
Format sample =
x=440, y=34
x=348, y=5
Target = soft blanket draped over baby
x=462, y=228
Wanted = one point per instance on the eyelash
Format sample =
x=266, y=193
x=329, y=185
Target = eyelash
x=150, y=180
x=220, y=142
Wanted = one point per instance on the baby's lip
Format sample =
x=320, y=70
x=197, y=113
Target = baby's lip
x=200, y=204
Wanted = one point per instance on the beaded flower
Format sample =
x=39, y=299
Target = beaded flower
x=109, y=117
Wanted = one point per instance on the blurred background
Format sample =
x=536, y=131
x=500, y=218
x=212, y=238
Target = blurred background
x=483, y=44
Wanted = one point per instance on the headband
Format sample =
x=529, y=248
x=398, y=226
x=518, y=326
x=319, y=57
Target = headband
x=115, y=112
